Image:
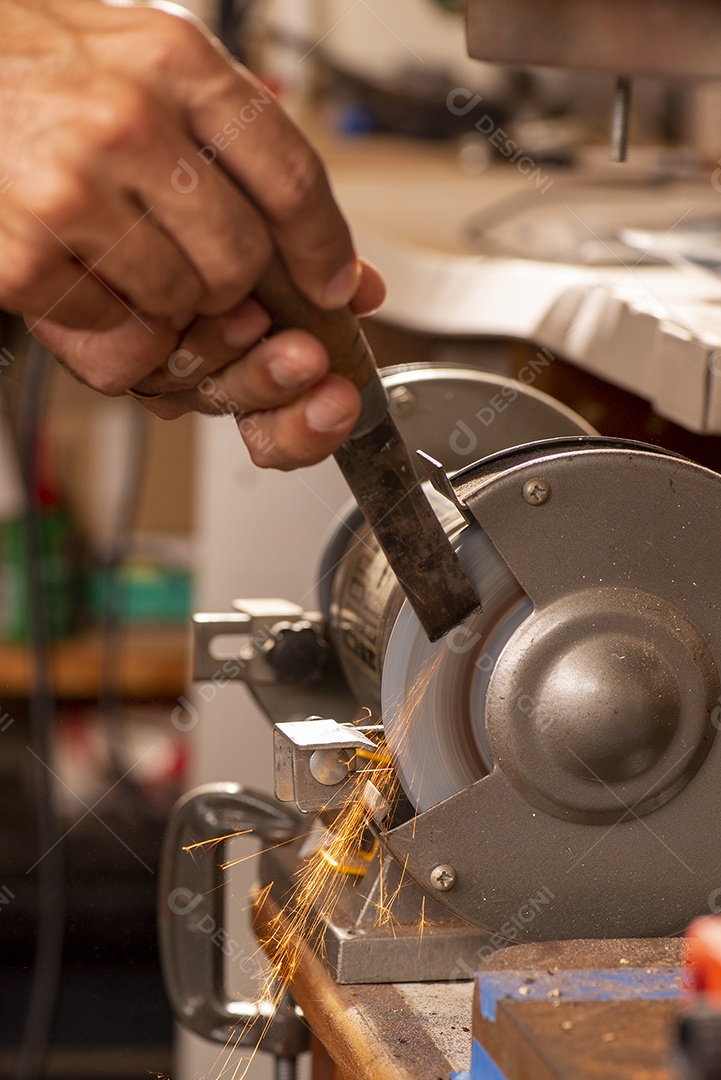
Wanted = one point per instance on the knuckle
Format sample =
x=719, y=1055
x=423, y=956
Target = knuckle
x=229, y=280
x=261, y=461
x=121, y=116
x=29, y=272
x=172, y=43
x=34, y=278
x=169, y=293
x=300, y=182
x=108, y=383
x=59, y=199
x=260, y=442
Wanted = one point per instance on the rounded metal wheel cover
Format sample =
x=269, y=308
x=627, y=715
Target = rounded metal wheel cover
x=601, y=711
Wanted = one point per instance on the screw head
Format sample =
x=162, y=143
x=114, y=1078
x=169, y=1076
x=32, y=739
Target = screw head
x=402, y=400
x=536, y=490
x=443, y=877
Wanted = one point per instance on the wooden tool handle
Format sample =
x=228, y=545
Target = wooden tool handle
x=340, y=333
x=377, y=466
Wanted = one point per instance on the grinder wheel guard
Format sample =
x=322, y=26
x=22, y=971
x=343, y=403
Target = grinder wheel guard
x=439, y=743
x=566, y=737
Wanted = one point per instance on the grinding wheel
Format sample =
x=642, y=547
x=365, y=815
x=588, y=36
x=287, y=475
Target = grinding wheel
x=434, y=693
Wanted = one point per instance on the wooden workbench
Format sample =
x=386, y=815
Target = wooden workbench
x=154, y=662
x=423, y=1031
x=407, y=1031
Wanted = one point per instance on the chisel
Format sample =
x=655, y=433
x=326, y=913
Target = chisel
x=377, y=466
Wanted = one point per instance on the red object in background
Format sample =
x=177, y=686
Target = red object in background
x=274, y=85
x=704, y=936
x=47, y=482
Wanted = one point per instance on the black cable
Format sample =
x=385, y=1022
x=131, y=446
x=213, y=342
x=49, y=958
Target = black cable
x=110, y=692
x=50, y=865
x=233, y=20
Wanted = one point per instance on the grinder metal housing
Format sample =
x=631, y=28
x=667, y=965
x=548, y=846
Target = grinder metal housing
x=561, y=762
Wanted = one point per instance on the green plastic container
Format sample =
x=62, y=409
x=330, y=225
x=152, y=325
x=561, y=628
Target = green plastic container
x=60, y=572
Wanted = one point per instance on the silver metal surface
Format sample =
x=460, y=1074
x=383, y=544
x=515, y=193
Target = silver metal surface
x=620, y=119
x=329, y=767
x=193, y=939
x=456, y=413
x=418, y=941
x=376, y=804
x=315, y=733
x=441, y=483
x=637, y=37
x=402, y=400
x=560, y=749
x=285, y=1068
x=461, y=414
x=364, y=600
x=599, y=704
x=253, y=624
x=298, y=769
x=602, y=700
x=251, y=628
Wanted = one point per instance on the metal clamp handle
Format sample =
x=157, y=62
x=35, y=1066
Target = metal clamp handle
x=191, y=918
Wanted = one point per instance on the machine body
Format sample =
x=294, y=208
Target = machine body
x=563, y=749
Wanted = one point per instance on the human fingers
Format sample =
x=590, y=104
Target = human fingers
x=307, y=430
x=297, y=434
x=110, y=361
x=58, y=288
x=130, y=94
x=212, y=342
x=273, y=373
x=205, y=346
x=241, y=130
x=371, y=290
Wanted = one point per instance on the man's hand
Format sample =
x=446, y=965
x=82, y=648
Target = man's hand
x=145, y=180
x=295, y=413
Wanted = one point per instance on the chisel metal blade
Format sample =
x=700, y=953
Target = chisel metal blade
x=380, y=473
